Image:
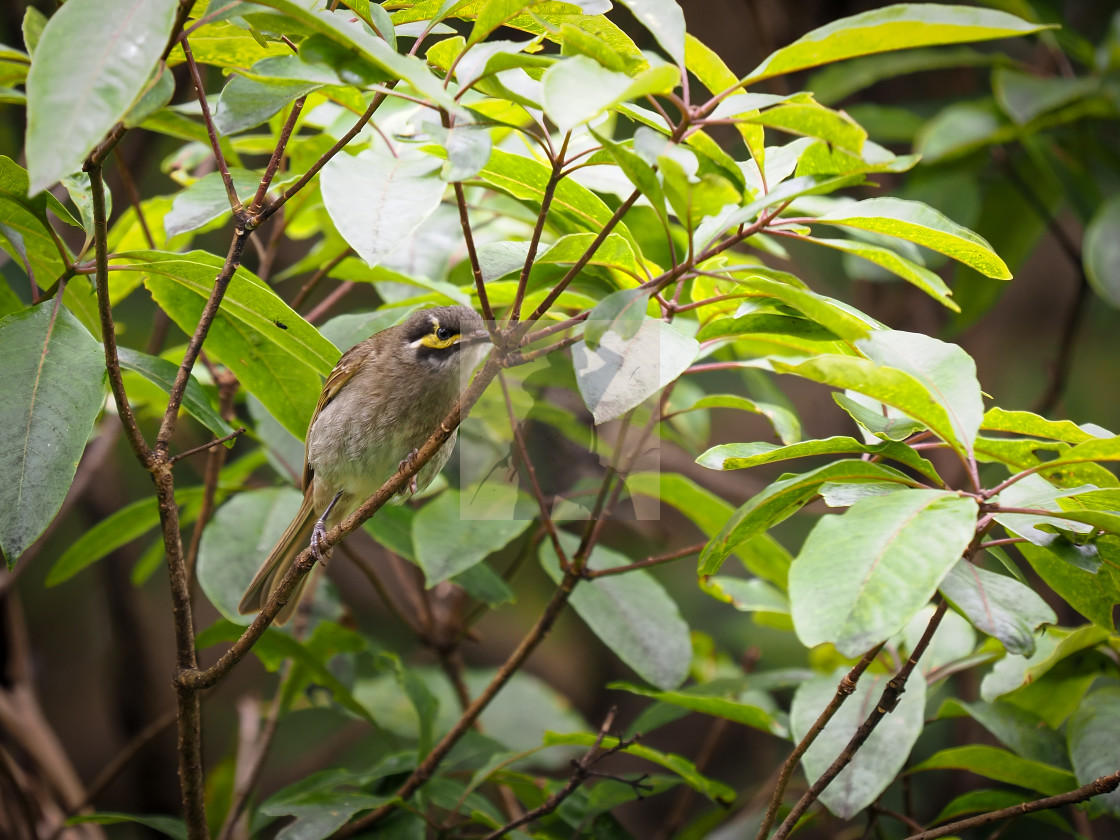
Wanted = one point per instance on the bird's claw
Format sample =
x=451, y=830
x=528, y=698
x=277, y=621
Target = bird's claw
x=318, y=537
x=413, y=484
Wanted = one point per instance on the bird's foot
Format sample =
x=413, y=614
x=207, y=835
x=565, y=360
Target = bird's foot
x=413, y=484
x=319, y=532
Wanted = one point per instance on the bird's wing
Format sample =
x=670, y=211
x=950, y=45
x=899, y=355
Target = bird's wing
x=348, y=365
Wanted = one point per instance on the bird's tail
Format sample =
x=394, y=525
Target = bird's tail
x=272, y=571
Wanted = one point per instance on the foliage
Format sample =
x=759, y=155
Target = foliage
x=527, y=158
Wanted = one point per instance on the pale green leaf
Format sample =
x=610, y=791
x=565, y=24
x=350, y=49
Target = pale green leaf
x=1002, y=766
x=997, y=605
x=52, y=387
x=897, y=27
x=1101, y=252
x=578, y=88
x=862, y=575
x=921, y=224
x=1094, y=742
x=95, y=58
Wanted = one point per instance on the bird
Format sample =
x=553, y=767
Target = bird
x=383, y=400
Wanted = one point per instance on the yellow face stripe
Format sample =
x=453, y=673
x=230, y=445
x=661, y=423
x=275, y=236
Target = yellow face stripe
x=433, y=340
x=430, y=340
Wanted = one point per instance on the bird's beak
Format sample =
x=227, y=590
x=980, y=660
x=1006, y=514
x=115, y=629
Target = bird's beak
x=476, y=337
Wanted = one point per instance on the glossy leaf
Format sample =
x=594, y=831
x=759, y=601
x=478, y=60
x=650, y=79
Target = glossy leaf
x=95, y=57
x=922, y=225
x=911, y=272
x=206, y=200
x=579, y=88
x=861, y=576
x=882, y=755
x=895, y=27
x=1093, y=594
x=377, y=200
x=162, y=373
x=619, y=375
x=277, y=356
x=622, y=312
x=631, y=613
x=997, y=605
x=1002, y=766
x=1094, y=742
x=53, y=387
x=1024, y=96
x=1023, y=732
x=665, y=21
x=739, y=456
x=782, y=499
x=714, y=790
x=702, y=700
x=450, y=540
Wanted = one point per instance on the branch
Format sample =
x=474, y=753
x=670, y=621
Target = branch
x=887, y=702
x=581, y=772
x=105, y=313
x=538, y=229
x=657, y=560
x=1105, y=784
x=277, y=155
x=472, y=254
x=846, y=688
x=428, y=766
x=212, y=133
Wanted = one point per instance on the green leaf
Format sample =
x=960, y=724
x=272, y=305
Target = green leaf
x=746, y=595
x=155, y=96
x=578, y=88
x=454, y=532
x=162, y=373
x=351, y=33
x=739, y=456
x=761, y=555
x=52, y=385
x=1024, y=96
x=237, y=540
x=1092, y=594
x=1059, y=650
x=911, y=272
x=919, y=223
x=1025, y=733
x=946, y=371
x=781, y=500
x=493, y=14
x=631, y=613
x=95, y=58
x=961, y=128
x=702, y=700
x=1026, y=423
x=837, y=82
x=810, y=119
x=525, y=179
x=879, y=760
x=862, y=575
x=997, y=605
x=621, y=374
x=206, y=200
x=25, y=230
x=170, y=826
x=784, y=421
x=665, y=21
x=1094, y=742
x=1002, y=766
x=715, y=791
x=1100, y=251
x=897, y=27
x=377, y=200
x=246, y=103
x=982, y=801
x=622, y=312
x=274, y=352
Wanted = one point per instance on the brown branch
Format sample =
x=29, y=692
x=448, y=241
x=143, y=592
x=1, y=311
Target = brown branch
x=303, y=294
x=105, y=313
x=887, y=702
x=472, y=255
x=843, y=691
x=428, y=766
x=212, y=133
x=277, y=155
x=366, y=568
x=1097, y=787
x=535, y=240
x=273, y=206
x=209, y=445
x=657, y=560
x=581, y=772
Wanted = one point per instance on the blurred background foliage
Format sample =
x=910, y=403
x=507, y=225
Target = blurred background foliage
x=1020, y=141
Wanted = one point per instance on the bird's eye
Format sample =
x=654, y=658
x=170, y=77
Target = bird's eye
x=443, y=333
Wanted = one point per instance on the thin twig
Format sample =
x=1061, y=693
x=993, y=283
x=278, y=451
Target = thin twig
x=534, y=241
x=656, y=560
x=1097, y=787
x=209, y=445
x=212, y=132
x=887, y=702
x=303, y=294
